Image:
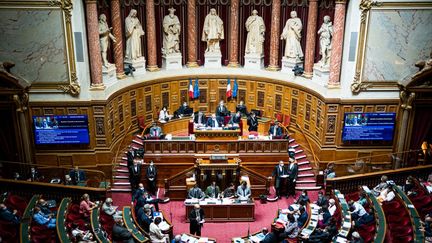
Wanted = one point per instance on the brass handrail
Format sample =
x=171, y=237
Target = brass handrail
x=316, y=160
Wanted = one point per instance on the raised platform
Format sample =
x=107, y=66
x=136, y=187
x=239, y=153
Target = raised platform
x=225, y=212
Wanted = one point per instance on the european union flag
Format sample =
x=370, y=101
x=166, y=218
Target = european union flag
x=235, y=88
x=196, y=89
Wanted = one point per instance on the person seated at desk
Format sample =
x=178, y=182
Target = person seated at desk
x=163, y=115
x=145, y=217
x=242, y=108
x=156, y=235
x=243, y=191
x=235, y=119
x=42, y=219
x=7, y=215
x=325, y=235
x=212, y=190
x=147, y=199
x=44, y=207
x=86, y=206
x=200, y=119
x=196, y=192
x=275, y=130
x=214, y=121
x=229, y=191
x=269, y=237
x=303, y=199
x=155, y=131
x=121, y=233
x=252, y=122
x=302, y=219
x=110, y=209
x=221, y=110
x=184, y=110
x=81, y=235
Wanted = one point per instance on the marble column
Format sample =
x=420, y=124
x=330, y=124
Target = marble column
x=311, y=38
x=233, y=57
x=337, y=43
x=191, y=34
x=117, y=32
x=95, y=58
x=274, y=36
x=151, y=37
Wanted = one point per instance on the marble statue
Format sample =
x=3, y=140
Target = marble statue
x=326, y=33
x=255, y=37
x=171, y=30
x=134, y=31
x=213, y=31
x=425, y=69
x=292, y=34
x=104, y=39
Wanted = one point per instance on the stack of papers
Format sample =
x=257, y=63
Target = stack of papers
x=340, y=196
x=238, y=240
x=187, y=238
x=203, y=240
x=283, y=217
x=191, y=201
x=164, y=226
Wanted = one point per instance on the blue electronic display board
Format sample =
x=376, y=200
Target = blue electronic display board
x=368, y=126
x=68, y=129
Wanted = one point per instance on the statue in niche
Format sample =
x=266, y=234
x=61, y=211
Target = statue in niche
x=104, y=39
x=326, y=33
x=255, y=38
x=171, y=29
x=213, y=31
x=134, y=31
x=292, y=34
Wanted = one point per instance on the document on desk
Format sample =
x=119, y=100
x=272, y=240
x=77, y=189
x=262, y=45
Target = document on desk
x=238, y=240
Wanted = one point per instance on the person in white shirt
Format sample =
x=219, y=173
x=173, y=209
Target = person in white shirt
x=357, y=210
x=163, y=115
x=155, y=233
x=81, y=235
x=387, y=194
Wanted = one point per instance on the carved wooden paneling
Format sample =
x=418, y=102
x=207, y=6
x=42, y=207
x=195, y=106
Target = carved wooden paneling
x=331, y=124
x=260, y=101
x=241, y=94
x=100, y=126
x=278, y=102
x=120, y=113
x=133, y=107
x=165, y=99
x=148, y=103
x=294, y=103
x=203, y=96
x=308, y=112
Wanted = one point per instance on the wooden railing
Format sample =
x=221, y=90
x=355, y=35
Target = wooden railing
x=347, y=184
x=175, y=186
x=315, y=158
x=53, y=191
x=259, y=184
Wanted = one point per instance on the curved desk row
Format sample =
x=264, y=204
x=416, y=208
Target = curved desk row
x=380, y=219
x=346, y=225
x=26, y=219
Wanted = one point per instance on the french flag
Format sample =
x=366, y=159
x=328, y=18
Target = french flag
x=191, y=89
x=229, y=91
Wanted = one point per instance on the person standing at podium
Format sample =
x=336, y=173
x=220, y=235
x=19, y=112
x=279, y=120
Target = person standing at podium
x=212, y=191
x=214, y=122
x=196, y=193
x=221, y=110
x=196, y=218
x=275, y=130
x=280, y=173
x=243, y=191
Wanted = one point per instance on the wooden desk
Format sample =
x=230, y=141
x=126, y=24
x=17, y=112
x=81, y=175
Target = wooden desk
x=217, y=134
x=175, y=125
x=238, y=212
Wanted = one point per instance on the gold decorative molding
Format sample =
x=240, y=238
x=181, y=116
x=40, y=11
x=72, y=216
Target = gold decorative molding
x=406, y=99
x=365, y=6
x=66, y=6
x=21, y=102
x=357, y=85
x=73, y=88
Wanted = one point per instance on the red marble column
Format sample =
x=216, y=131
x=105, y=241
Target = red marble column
x=274, y=36
x=311, y=38
x=233, y=57
x=151, y=37
x=337, y=43
x=191, y=34
x=117, y=32
x=95, y=57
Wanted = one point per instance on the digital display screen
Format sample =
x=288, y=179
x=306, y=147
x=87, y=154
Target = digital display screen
x=68, y=129
x=368, y=126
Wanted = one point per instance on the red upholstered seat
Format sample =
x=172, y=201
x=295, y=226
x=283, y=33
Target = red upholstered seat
x=403, y=231
x=392, y=205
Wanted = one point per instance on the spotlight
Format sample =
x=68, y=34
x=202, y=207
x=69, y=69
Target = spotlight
x=297, y=70
x=129, y=70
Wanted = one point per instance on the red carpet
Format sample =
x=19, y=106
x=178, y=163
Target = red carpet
x=223, y=232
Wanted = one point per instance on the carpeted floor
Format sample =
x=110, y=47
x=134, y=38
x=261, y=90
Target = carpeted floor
x=224, y=231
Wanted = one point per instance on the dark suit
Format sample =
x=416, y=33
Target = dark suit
x=121, y=234
x=137, y=194
x=235, y=119
x=135, y=175
x=143, y=201
x=212, y=123
x=8, y=216
x=143, y=219
x=278, y=131
x=203, y=119
x=253, y=124
x=222, y=111
x=270, y=238
x=151, y=175
x=302, y=220
x=77, y=176
x=195, y=193
x=292, y=178
x=322, y=201
x=242, y=109
x=184, y=110
x=195, y=226
x=278, y=172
